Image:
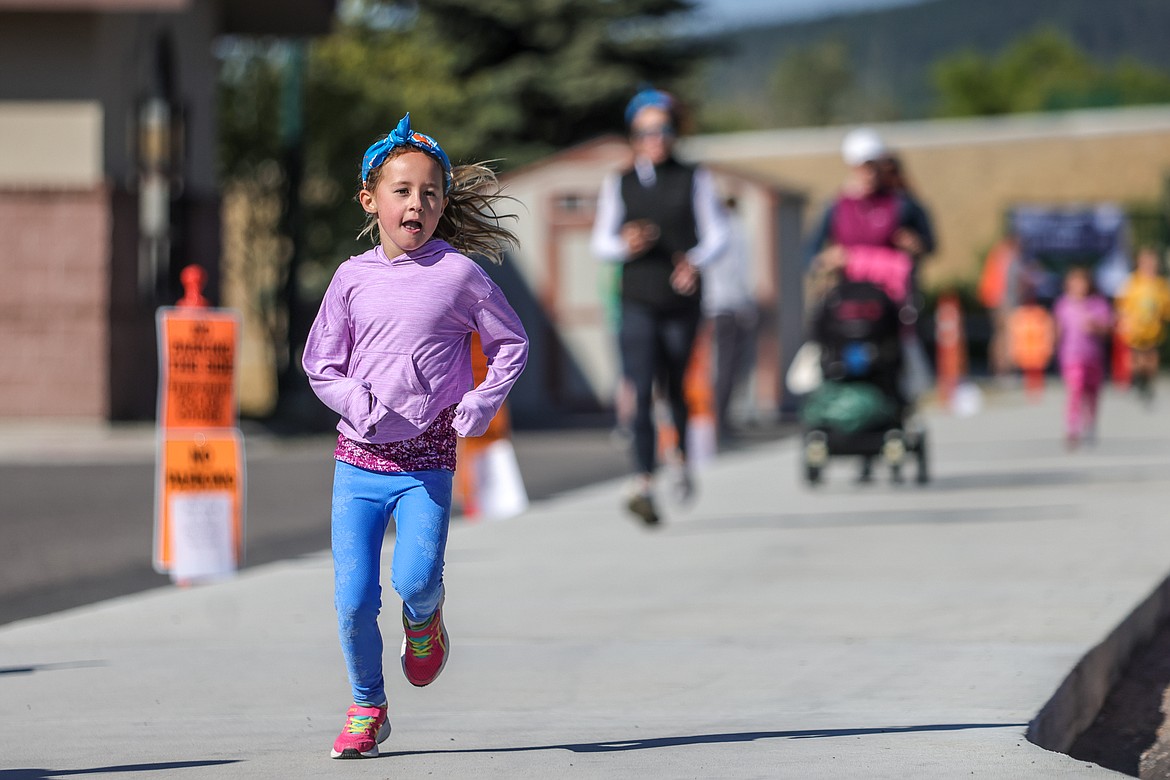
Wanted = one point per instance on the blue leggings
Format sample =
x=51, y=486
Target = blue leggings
x=363, y=502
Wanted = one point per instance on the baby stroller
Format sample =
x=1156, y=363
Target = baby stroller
x=859, y=407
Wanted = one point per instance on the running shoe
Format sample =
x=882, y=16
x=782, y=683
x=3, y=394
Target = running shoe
x=642, y=505
x=365, y=727
x=424, y=649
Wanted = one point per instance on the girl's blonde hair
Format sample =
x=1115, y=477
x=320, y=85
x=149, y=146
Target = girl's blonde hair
x=470, y=222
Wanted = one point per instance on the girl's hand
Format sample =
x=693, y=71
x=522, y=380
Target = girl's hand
x=684, y=279
x=639, y=235
x=376, y=414
x=472, y=417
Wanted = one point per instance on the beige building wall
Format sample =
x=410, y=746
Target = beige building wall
x=50, y=143
x=969, y=172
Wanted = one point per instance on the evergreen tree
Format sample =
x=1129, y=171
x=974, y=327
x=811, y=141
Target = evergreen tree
x=1042, y=71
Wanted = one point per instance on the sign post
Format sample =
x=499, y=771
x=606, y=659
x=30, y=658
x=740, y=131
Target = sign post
x=200, y=484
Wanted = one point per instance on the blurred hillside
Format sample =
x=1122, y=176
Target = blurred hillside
x=889, y=53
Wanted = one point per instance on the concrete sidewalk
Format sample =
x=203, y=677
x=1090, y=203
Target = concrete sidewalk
x=771, y=630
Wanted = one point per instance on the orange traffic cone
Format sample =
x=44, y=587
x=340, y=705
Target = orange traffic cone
x=951, y=346
x=488, y=480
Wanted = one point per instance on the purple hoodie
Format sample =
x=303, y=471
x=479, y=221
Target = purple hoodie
x=391, y=345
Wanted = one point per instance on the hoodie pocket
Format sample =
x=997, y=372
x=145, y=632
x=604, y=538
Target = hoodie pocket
x=394, y=382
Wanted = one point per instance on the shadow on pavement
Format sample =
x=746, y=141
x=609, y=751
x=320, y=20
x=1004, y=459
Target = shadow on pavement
x=49, y=774
x=1098, y=473
x=618, y=746
x=49, y=667
x=878, y=517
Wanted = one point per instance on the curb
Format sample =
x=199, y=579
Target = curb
x=1079, y=698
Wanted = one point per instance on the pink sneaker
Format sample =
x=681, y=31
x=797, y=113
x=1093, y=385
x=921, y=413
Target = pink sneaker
x=364, y=728
x=424, y=649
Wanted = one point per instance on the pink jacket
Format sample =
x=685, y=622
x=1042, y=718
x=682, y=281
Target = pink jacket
x=391, y=345
x=1077, y=322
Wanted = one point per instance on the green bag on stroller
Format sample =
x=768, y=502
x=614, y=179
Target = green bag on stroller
x=848, y=407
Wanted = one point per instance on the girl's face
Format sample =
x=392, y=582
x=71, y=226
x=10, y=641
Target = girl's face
x=1076, y=284
x=407, y=200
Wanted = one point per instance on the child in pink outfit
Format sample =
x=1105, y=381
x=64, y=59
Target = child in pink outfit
x=1083, y=321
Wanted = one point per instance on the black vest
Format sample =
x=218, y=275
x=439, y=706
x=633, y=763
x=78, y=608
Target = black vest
x=669, y=204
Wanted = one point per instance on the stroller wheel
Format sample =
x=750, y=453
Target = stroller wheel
x=816, y=448
x=923, y=475
x=816, y=455
x=894, y=449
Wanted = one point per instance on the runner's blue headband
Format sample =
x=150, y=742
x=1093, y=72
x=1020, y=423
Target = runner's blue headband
x=404, y=136
x=646, y=98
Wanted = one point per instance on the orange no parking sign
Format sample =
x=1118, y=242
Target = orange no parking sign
x=200, y=512
x=197, y=361
x=199, y=495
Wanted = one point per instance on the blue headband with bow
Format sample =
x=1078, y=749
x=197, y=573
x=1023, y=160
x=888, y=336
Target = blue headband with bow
x=404, y=136
x=648, y=97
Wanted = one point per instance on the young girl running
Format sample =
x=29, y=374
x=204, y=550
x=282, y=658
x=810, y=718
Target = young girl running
x=390, y=351
x=1083, y=321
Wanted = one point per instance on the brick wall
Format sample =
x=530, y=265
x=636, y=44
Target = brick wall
x=54, y=303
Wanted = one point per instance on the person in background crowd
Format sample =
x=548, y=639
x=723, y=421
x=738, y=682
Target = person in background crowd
x=1083, y=322
x=1143, y=308
x=663, y=221
x=999, y=292
x=872, y=209
x=874, y=230
x=729, y=307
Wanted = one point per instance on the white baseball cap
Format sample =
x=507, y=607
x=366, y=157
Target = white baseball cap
x=863, y=145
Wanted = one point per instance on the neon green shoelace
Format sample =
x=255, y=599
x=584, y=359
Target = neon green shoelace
x=421, y=647
x=359, y=724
